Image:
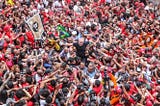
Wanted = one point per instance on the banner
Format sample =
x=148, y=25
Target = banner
x=36, y=26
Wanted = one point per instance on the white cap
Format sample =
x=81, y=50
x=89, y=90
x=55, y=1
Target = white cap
x=74, y=33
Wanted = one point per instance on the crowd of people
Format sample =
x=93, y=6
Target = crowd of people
x=111, y=58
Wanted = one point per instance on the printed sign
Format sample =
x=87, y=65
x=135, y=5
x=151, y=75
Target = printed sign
x=36, y=26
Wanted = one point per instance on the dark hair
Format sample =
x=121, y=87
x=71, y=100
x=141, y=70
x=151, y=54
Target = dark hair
x=20, y=93
x=65, y=83
x=49, y=99
x=86, y=13
x=11, y=94
x=127, y=87
x=70, y=7
x=28, y=71
x=62, y=101
x=1, y=48
x=158, y=95
x=138, y=83
x=45, y=93
x=103, y=102
x=1, y=82
x=3, y=96
x=35, y=98
x=53, y=83
x=14, y=60
x=10, y=84
x=29, y=79
x=92, y=103
x=65, y=90
x=22, y=55
x=80, y=100
x=93, y=27
x=97, y=83
x=20, y=103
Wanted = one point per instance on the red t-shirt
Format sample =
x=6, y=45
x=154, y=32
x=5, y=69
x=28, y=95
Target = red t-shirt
x=6, y=28
x=102, y=1
x=30, y=37
x=51, y=89
x=68, y=1
x=97, y=89
x=21, y=39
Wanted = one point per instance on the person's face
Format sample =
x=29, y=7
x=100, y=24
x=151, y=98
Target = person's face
x=23, y=78
x=78, y=3
x=80, y=42
x=82, y=65
x=96, y=76
x=17, y=69
x=90, y=68
x=70, y=40
x=66, y=50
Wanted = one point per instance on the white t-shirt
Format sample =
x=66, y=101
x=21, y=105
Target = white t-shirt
x=42, y=102
x=37, y=78
x=77, y=9
x=108, y=1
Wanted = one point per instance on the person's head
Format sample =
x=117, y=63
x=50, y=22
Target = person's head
x=53, y=83
x=9, y=85
x=20, y=93
x=91, y=67
x=93, y=27
x=80, y=100
x=23, y=78
x=65, y=82
x=158, y=97
x=97, y=75
x=49, y=100
x=81, y=41
x=103, y=102
x=44, y=93
x=62, y=102
x=82, y=65
x=78, y=3
x=29, y=79
x=127, y=87
x=7, y=38
x=93, y=104
x=65, y=91
x=40, y=72
x=97, y=83
x=63, y=65
x=149, y=103
x=20, y=103
x=3, y=95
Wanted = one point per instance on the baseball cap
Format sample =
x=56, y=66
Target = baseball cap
x=148, y=103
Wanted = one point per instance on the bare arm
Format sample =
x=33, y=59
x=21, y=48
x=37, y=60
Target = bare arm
x=119, y=65
x=5, y=82
x=27, y=94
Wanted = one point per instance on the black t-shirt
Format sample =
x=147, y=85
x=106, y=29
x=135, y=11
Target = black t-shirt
x=81, y=49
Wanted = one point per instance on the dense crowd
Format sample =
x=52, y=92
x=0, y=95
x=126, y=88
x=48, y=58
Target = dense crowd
x=111, y=58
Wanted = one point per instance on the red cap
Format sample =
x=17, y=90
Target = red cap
x=148, y=103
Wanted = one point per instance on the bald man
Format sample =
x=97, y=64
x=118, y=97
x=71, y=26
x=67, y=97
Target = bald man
x=81, y=47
